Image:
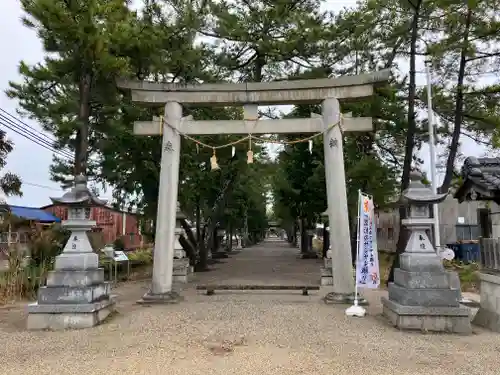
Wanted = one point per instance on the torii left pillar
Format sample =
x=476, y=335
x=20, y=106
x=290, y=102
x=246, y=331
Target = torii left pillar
x=163, y=259
x=336, y=191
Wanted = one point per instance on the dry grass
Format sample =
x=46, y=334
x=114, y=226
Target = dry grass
x=466, y=272
x=20, y=281
x=385, y=260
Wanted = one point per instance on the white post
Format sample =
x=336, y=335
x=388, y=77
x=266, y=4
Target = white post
x=432, y=152
x=340, y=240
x=124, y=223
x=161, y=289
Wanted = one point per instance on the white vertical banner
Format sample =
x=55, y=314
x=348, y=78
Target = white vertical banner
x=367, y=265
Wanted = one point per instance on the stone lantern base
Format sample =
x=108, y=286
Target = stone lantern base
x=73, y=298
x=432, y=319
x=181, y=270
x=425, y=301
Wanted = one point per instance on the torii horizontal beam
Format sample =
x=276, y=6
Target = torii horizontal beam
x=282, y=126
x=264, y=93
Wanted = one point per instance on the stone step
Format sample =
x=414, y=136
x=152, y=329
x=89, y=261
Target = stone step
x=326, y=280
x=434, y=319
x=419, y=280
x=424, y=297
x=72, y=316
x=75, y=278
x=326, y=272
x=73, y=295
x=77, y=261
x=421, y=262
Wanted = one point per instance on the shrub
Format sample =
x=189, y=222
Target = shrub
x=21, y=280
x=141, y=256
x=24, y=275
x=46, y=244
x=119, y=244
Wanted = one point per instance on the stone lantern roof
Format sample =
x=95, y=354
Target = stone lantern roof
x=79, y=195
x=419, y=193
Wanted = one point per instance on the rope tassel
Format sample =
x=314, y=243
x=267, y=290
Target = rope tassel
x=250, y=152
x=249, y=157
x=213, y=162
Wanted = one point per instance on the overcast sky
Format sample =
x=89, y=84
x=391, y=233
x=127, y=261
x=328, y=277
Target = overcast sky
x=30, y=161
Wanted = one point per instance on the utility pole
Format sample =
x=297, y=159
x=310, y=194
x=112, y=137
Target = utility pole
x=432, y=152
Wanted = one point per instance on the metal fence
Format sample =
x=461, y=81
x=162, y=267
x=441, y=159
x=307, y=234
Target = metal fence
x=490, y=254
x=13, y=237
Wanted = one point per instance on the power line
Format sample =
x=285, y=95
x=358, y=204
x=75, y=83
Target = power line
x=47, y=142
x=31, y=136
x=41, y=186
x=6, y=125
x=26, y=125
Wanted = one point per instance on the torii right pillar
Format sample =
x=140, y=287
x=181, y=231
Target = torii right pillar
x=336, y=191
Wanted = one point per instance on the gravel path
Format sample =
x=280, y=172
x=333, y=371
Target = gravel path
x=243, y=333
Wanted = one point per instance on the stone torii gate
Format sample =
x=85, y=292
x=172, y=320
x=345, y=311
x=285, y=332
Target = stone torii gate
x=250, y=95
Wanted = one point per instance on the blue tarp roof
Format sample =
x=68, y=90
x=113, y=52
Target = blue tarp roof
x=34, y=214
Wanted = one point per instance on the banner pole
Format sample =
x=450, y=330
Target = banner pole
x=357, y=250
x=355, y=309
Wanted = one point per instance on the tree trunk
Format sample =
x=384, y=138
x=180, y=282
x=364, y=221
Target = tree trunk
x=353, y=224
x=459, y=107
x=202, y=264
x=215, y=241
x=326, y=239
x=410, y=137
x=294, y=233
x=82, y=134
x=304, y=243
x=189, y=249
x=230, y=239
x=192, y=240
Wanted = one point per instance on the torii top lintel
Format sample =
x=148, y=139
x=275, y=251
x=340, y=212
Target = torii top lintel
x=264, y=93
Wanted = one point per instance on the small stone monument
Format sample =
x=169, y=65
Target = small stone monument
x=421, y=297
x=181, y=263
x=179, y=252
x=76, y=295
x=238, y=242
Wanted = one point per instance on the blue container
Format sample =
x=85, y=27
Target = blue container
x=465, y=252
x=470, y=252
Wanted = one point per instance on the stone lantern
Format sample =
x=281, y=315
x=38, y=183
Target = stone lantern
x=179, y=252
x=181, y=263
x=326, y=235
x=326, y=270
x=298, y=236
x=76, y=295
x=239, y=244
x=421, y=296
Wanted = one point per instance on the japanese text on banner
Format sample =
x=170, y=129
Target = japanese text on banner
x=367, y=265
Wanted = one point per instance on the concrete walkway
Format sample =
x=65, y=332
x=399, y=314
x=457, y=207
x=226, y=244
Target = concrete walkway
x=272, y=262
x=243, y=333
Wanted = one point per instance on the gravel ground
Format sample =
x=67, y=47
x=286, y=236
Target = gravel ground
x=243, y=333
